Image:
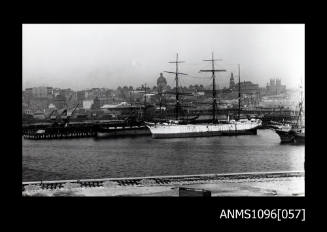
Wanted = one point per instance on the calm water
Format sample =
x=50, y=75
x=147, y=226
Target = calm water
x=144, y=156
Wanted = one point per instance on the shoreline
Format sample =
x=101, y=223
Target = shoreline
x=289, y=183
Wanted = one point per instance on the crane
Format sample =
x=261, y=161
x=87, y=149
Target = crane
x=51, y=116
x=68, y=116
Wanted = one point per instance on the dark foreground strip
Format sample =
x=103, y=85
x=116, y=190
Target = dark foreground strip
x=160, y=180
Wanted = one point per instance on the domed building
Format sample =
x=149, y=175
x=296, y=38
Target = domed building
x=161, y=83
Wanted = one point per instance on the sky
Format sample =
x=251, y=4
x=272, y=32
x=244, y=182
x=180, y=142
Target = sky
x=84, y=56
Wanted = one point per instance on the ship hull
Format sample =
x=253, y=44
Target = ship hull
x=291, y=137
x=285, y=136
x=107, y=133
x=183, y=131
x=299, y=139
x=205, y=134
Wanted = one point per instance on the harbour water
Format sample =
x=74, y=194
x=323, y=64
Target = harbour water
x=143, y=156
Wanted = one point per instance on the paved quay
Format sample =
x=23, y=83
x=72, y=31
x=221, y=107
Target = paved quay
x=237, y=184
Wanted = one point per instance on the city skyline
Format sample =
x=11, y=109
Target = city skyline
x=107, y=56
x=208, y=87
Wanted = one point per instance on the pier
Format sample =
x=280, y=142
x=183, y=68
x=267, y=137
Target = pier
x=37, y=132
x=75, y=130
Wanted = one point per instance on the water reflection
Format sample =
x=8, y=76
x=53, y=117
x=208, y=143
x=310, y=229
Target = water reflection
x=144, y=156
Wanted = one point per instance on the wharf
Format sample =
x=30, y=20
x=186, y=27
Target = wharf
x=49, y=131
x=75, y=129
x=284, y=183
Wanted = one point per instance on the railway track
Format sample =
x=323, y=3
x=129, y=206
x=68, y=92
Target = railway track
x=156, y=180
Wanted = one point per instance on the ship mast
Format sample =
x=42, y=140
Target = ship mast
x=144, y=110
x=213, y=70
x=239, y=92
x=177, y=107
x=300, y=109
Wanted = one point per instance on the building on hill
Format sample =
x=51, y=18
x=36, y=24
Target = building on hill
x=42, y=92
x=80, y=97
x=275, y=87
x=96, y=104
x=247, y=87
x=87, y=104
x=60, y=101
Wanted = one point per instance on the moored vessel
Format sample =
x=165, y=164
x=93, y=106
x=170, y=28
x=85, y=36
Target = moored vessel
x=176, y=129
x=121, y=130
x=295, y=133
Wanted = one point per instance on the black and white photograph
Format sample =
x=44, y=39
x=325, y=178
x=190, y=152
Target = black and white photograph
x=163, y=110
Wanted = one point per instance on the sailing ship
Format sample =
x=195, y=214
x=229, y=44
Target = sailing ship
x=295, y=133
x=178, y=129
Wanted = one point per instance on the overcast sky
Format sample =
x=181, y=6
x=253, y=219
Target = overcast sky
x=81, y=56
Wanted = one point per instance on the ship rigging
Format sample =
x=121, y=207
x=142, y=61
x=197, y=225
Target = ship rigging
x=178, y=128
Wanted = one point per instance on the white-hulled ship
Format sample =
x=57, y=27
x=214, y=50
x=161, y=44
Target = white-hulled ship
x=175, y=130
x=179, y=129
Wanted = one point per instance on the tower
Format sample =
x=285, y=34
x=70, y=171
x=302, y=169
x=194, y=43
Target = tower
x=272, y=82
x=278, y=82
x=231, y=81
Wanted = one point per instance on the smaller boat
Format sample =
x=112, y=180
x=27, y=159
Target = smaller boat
x=293, y=133
x=40, y=131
